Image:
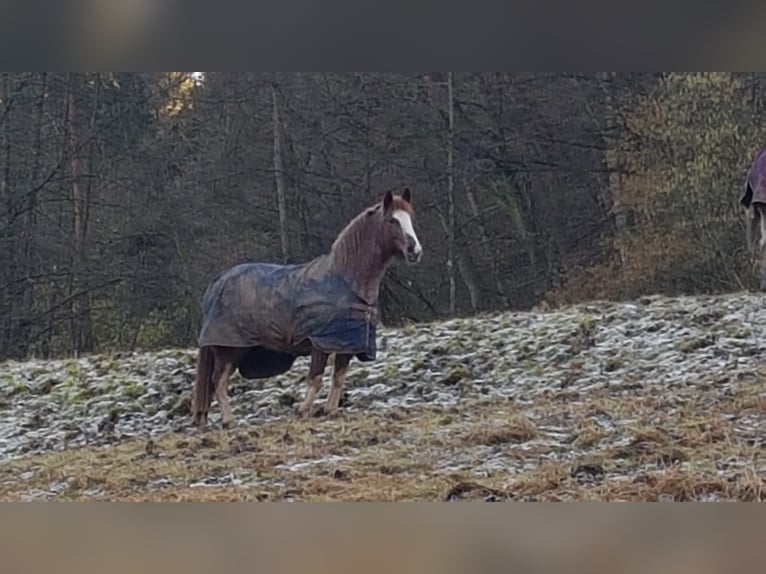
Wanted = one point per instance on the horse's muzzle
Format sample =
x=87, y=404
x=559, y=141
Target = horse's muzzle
x=414, y=251
x=413, y=256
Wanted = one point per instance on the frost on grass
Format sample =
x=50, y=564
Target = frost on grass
x=661, y=398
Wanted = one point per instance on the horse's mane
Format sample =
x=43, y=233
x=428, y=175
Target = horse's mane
x=356, y=251
x=357, y=230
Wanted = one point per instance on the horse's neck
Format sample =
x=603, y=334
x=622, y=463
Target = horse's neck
x=362, y=263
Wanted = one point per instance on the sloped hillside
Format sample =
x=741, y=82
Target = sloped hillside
x=657, y=399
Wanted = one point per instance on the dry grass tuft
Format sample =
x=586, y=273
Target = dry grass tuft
x=518, y=429
x=474, y=491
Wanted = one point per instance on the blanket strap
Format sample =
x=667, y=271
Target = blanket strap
x=363, y=311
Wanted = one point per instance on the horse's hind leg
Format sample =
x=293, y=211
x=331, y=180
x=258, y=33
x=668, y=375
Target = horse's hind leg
x=316, y=370
x=757, y=227
x=222, y=392
x=227, y=361
x=760, y=209
x=756, y=239
x=338, y=380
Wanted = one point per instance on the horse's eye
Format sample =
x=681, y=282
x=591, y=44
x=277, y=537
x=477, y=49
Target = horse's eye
x=394, y=220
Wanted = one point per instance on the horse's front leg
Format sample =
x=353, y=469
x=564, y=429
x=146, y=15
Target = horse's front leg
x=338, y=380
x=316, y=371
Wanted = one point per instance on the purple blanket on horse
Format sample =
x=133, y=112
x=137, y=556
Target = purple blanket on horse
x=755, y=187
x=279, y=311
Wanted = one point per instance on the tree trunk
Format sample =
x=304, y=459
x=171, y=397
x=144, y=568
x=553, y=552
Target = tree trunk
x=451, y=194
x=486, y=245
x=613, y=201
x=6, y=233
x=279, y=177
x=468, y=279
x=29, y=237
x=81, y=328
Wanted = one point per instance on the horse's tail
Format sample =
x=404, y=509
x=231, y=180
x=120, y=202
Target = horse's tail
x=204, y=386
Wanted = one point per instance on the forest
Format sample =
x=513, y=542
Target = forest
x=123, y=194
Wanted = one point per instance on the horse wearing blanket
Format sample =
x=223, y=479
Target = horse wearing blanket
x=259, y=317
x=754, y=199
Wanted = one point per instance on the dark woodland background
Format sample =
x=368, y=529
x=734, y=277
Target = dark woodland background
x=123, y=194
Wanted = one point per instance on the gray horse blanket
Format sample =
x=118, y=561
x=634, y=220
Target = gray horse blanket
x=278, y=312
x=755, y=186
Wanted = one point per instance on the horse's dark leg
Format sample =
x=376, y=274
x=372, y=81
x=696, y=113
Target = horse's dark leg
x=338, y=380
x=316, y=370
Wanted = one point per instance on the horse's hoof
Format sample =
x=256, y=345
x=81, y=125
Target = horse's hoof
x=227, y=424
x=304, y=412
x=200, y=420
x=323, y=411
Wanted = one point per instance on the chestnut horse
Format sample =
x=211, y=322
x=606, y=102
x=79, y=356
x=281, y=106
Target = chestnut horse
x=259, y=317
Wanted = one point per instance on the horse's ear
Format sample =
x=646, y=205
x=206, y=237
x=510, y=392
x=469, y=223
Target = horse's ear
x=406, y=195
x=388, y=199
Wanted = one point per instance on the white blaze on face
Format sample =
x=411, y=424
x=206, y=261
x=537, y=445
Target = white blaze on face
x=406, y=222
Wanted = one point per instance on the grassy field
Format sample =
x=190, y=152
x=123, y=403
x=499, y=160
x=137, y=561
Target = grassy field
x=597, y=425
x=484, y=450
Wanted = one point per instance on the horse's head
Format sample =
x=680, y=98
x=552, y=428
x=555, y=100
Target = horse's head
x=375, y=237
x=397, y=232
